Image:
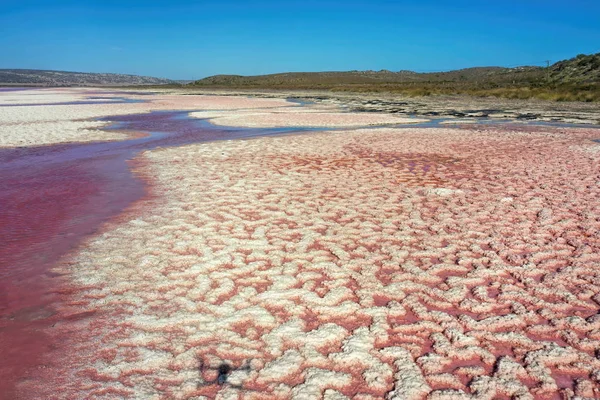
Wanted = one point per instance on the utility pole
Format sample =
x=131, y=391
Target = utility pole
x=547, y=72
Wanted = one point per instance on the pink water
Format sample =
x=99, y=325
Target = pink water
x=51, y=198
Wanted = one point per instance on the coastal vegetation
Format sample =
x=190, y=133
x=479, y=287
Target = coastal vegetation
x=577, y=79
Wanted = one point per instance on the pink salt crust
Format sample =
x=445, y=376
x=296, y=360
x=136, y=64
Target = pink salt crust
x=407, y=263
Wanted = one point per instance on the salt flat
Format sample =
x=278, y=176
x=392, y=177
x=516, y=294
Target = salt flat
x=36, y=121
x=311, y=117
x=45, y=96
x=401, y=263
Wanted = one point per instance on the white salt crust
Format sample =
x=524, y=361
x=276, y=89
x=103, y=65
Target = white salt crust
x=50, y=132
x=290, y=117
x=458, y=121
x=43, y=96
x=36, y=125
x=397, y=263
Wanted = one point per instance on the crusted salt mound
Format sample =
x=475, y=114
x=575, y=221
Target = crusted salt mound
x=51, y=124
x=317, y=119
x=42, y=133
x=43, y=96
x=398, y=263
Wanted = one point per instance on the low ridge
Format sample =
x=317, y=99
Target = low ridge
x=65, y=78
x=576, y=79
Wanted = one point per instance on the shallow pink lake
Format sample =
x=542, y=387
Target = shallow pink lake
x=54, y=196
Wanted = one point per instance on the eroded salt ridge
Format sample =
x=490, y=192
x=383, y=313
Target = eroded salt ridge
x=439, y=263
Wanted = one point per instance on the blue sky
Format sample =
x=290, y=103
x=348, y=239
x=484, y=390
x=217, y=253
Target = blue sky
x=193, y=39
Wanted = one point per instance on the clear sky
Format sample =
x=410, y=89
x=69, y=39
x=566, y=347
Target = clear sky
x=193, y=39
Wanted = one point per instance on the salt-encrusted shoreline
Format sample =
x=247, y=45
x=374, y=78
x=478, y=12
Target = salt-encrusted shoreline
x=44, y=96
x=22, y=126
x=308, y=118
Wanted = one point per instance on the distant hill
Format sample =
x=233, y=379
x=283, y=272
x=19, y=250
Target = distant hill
x=63, y=78
x=295, y=79
x=581, y=69
x=329, y=79
x=577, y=79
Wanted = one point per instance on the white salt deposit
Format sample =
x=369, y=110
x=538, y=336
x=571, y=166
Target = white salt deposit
x=36, y=125
x=316, y=118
